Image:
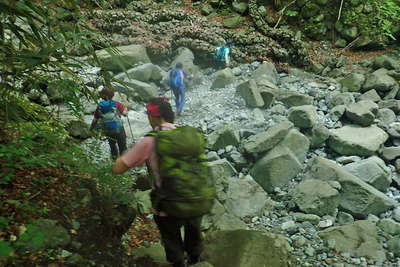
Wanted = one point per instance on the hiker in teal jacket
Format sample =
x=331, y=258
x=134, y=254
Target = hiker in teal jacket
x=222, y=53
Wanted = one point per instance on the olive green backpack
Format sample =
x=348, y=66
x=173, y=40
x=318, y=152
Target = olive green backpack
x=187, y=189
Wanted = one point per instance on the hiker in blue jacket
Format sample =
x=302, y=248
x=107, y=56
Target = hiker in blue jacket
x=107, y=117
x=222, y=53
x=176, y=81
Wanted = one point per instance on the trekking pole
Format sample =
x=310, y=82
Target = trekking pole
x=129, y=123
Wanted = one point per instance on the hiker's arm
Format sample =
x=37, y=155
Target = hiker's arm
x=122, y=108
x=119, y=166
x=135, y=156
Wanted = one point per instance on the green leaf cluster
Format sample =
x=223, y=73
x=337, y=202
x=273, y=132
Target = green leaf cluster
x=377, y=20
x=40, y=42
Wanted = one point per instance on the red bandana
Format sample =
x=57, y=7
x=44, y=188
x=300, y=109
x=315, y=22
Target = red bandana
x=153, y=109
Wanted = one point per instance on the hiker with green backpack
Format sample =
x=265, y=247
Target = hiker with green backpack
x=107, y=118
x=182, y=190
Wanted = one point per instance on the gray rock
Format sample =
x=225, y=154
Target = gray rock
x=392, y=104
x=391, y=153
x=360, y=239
x=186, y=57
x=385, y=61
x=389, y=226
x=221, y=249
x=353, y=82
x=356, y=197
x=240, y=6
x=387, y=116
x=223, y=78
x=250, y=93
x=344, y=218
x=276, y=168
x=371, y=95
x=127, y=57
x=362, y=113
x=316, y=197
x=394, y=246
x=245, y=197
x=396, y=214
x=303, y=217
x=221, y=169
x=295, y=99
x=266, y=71
x=141, y=73
x=372, y=171
x=264, y=141
x=303, y=116
x=318, y=135
x=355, y=140
x=380, y=81
x=224, y=135
x=134, y=89
x=227, y=222
x=337, y=99
x=337, y=112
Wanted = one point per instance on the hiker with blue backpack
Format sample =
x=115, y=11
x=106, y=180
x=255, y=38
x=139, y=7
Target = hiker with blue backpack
x=177, y=83
x=182, y=190
x=222, y=53
x=107, y=117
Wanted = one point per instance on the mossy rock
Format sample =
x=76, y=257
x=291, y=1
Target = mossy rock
x=233, y=21
x=310, y=10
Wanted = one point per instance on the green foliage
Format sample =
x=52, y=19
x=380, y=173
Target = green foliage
x=118, y=188
x=376, y=20
x=292, y=13
x=39, y=43
x=5, y=249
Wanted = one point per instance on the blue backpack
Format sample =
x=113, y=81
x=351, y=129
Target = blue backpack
x=220, y=53
x=175, y=78
x=110, y=120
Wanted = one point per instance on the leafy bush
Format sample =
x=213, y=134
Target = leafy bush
x=376, y=20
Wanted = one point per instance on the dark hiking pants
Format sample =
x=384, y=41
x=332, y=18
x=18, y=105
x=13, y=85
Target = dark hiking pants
x=114, y=139
x=174, y=245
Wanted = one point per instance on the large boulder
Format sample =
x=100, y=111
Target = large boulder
x=362, y=113
x=372, y=171
x=356, y=197
x=352, y=82
x=249, y=91
x=186, y=57
x=264, y=141
x=385, y=61
x=137, y=89
x=276, y=168
x=316, y=197
x=224, y=135
x=144, y=73
x=380, y=81
x=221, y=168
x=303, y=116
x=223, y=78
x=292, y=99
x=266, y=71
x=245, y=197
x=360, y=239
x=127, y=57
x=243, y=248
x=355, y=140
